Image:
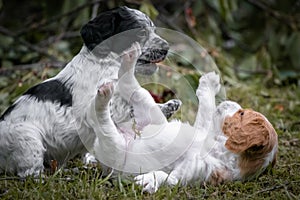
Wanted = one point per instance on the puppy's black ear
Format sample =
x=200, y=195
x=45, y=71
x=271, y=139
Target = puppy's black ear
x=99, y=29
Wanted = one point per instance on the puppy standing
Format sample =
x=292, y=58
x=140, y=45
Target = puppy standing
x=50, y=121
x=226, y=142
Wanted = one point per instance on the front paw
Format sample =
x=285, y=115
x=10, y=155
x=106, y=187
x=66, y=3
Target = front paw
x=105, y=93
x=148, y=182
x=129, y=58
x=132, y=53
x=209, y=81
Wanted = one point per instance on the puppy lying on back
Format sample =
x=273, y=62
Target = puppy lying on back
x=226, y=143
x=50, y=120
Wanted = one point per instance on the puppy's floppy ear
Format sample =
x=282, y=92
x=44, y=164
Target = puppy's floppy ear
x=249, y=132
x=99, y=29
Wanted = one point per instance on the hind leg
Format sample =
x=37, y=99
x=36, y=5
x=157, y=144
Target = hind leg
x=25, y=150
x=30, y=163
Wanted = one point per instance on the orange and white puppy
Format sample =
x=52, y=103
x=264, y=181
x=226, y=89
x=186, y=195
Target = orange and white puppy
x=226, y=143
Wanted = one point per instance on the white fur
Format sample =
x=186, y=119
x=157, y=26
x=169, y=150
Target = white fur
x=204, y=151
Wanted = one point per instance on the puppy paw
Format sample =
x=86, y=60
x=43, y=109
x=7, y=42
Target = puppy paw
x=148, y=182
x=210, y=81
x=89, y=160
x=132, y=54
x=170, y=107
x=105, y=92
x=129, y=58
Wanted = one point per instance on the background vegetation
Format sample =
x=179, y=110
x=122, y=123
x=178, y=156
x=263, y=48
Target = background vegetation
x=255, y=43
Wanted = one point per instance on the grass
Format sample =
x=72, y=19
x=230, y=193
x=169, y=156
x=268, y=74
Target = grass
x=281, y=105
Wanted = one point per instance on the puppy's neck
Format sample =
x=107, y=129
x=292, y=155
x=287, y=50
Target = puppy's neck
x=86, y=72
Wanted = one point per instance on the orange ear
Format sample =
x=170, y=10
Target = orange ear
x=248, y=131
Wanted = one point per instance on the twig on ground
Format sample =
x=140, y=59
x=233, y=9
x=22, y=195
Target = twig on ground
x=275, y=187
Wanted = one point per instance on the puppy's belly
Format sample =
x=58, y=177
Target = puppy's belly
x=160, y=145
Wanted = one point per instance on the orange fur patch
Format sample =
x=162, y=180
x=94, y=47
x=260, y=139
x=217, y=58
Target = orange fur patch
x=252, y=136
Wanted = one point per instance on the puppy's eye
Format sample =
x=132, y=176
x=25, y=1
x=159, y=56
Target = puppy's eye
x=242, y=113
x=142, y=33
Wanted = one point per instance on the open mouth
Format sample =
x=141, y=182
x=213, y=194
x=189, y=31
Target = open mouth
x=152, y=56
x=146, y=64
x=152, y=61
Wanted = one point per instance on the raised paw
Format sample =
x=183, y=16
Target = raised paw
x=105, y=93
x=209, y=81
x=170, y=107
x=129, y=58
x=132, y=54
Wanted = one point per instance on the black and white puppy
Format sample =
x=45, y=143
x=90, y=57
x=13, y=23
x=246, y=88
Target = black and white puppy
x=50, y=120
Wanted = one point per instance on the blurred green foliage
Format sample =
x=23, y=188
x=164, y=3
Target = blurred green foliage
x=245, y=37
x=262, y=37
x=255, y=43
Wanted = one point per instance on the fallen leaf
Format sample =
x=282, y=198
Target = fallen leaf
x=279, y=107
x=53, y=166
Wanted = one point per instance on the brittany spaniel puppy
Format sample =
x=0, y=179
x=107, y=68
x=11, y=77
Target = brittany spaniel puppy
x=50, y=121
x=226, y=143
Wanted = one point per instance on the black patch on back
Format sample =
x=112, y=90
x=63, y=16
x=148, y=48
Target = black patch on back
x=53, y=91
x=7, y=112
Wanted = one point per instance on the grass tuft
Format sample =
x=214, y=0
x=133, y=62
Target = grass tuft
x=281, y=105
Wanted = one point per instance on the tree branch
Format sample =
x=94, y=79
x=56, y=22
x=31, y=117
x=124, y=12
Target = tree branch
x=34, y=66
x=42, y=23
x=56, y=18
x=289, y=20
x=30, y=46
x=58, y=37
